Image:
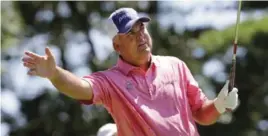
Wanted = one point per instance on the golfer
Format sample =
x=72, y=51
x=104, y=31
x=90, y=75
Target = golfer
x=146, y=94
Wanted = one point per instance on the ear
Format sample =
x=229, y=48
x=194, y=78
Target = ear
x=116, y=44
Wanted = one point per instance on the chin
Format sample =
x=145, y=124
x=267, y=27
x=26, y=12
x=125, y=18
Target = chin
x=146, y=53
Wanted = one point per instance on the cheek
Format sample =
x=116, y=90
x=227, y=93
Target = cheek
x=148, y=38
x=131, y=40
x=128, y=47
x=131, y=43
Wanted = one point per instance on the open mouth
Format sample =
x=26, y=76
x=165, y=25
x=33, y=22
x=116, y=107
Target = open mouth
x=142, y=43
x=142, y=46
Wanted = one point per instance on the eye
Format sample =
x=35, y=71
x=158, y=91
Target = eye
x=131, y=32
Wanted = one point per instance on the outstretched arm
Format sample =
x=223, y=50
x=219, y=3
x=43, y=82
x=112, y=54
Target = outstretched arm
x=66, y=82
x=71, y=85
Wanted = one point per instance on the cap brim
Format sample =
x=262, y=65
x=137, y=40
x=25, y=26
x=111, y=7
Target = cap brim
x=130, y=24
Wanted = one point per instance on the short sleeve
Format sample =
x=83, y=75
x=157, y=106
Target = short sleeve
x=195, y=95
x=100, y=87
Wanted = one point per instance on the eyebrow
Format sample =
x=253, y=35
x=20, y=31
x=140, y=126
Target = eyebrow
x=136, y=25
x=138, y=22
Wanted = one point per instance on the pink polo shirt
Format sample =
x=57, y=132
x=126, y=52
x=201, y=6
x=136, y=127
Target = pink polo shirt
x=158, y=102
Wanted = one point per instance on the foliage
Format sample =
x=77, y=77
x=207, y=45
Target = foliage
x=54, y=114
x=251, y=73
x=214, y=40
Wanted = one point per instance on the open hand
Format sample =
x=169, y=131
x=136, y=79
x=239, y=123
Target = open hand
x=43, y=66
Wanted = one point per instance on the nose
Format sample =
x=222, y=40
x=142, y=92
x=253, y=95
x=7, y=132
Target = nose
x=141, y=35
x=142, y=32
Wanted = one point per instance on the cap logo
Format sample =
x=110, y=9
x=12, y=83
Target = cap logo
x=129, y=85
x=125, y=18
x=122, y=17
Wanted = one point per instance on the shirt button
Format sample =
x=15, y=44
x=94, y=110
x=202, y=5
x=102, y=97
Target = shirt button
x=151, y=87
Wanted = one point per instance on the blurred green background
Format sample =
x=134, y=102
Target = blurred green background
x=199, y=32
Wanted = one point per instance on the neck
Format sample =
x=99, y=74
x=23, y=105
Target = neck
x=144, y=65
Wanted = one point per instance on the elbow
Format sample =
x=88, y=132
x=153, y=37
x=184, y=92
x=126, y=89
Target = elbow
x=207, y=114
x=205, y=122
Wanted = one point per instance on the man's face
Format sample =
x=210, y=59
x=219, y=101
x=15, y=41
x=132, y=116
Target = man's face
x=136, y=45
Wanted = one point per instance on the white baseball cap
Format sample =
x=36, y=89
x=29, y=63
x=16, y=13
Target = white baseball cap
x=108, y=129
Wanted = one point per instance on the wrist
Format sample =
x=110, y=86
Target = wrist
x=54, y=74
x=219, y=105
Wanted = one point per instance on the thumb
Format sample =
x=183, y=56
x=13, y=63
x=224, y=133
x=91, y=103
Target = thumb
x=48, y=52
x=224, y=91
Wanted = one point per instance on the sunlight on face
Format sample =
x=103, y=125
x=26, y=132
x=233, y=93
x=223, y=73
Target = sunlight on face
x=135, y=45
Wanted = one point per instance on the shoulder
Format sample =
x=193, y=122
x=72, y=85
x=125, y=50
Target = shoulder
x=168, y=59
x=108, y=72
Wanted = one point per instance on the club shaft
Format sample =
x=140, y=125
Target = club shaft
x=237, y=22
x=233, y=69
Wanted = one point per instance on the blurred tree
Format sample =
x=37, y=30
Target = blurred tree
x=251, y=75
x=49, y=114
x=12, y=25
x=57, y=115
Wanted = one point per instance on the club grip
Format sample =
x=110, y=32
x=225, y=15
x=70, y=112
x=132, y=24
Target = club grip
x=232, y=75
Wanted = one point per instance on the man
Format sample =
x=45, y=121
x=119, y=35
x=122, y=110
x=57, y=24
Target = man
x=147, y=95
x=108, y=129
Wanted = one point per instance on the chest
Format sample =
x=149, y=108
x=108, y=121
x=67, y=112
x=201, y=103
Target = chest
x=158, y=84
x=160, y=88
x=157, y=97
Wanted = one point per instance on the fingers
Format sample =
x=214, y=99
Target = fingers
x=235, y=90
x=29, y=65
x=233, y=94
x=232, y=102
x=33, y=55
x=232, y=99
x=28, y=60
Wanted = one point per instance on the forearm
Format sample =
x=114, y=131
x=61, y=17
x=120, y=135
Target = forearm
x=71, y=85
x=207, y=114
x=212, y=109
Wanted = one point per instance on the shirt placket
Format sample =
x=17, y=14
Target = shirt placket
x=148, y=78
